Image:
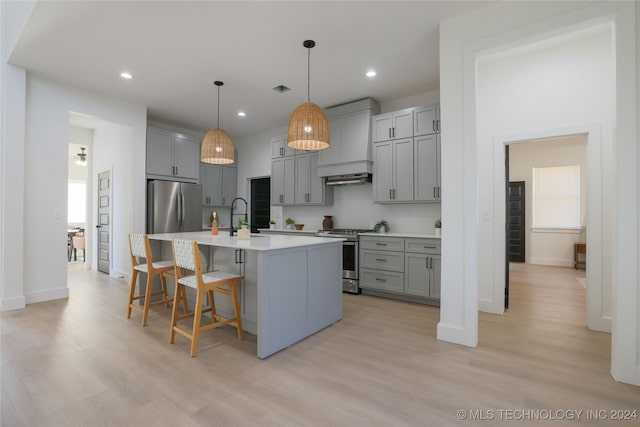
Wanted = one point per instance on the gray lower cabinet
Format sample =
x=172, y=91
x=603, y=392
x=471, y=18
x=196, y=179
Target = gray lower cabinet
x=402, y=268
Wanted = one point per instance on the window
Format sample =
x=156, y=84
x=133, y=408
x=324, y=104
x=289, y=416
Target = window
x=556, y=197
x=77, y=202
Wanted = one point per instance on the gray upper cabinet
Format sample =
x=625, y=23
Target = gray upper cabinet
x=294, y=177
x=218, y=184
x=211, y=180
x=426, y=159
x=393, y=171
x=282, y=181
x=309, y=188
x=229, y=184
x=395, y=125
x=172, y=155
x=406, y=155
x=426, y=120
x=279, y=148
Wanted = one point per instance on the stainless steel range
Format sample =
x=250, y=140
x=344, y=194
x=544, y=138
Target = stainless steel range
x=350, y=251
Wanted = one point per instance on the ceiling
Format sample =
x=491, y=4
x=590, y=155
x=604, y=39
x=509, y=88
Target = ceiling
x=175, y=50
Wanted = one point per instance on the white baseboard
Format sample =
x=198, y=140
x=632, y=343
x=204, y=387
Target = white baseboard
x=556, y=262
x=15, y=303
x=46, y=295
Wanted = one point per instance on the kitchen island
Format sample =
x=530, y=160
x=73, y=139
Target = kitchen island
x=292, y=286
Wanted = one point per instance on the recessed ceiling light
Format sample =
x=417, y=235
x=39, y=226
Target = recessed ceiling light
x=371, y=73
x=242, y=113
x=126, y=75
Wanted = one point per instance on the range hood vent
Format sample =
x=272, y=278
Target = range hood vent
x=355, y=178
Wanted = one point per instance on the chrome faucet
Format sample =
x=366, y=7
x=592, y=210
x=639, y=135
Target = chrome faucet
x=233, y=204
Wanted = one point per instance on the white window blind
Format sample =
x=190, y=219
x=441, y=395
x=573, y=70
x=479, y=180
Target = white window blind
x=556, y=197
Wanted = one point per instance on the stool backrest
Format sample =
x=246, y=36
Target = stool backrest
x=184, y=254
x=138, y=245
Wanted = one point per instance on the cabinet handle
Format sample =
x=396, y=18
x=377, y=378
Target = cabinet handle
x=281, y=201
x=176, y=170
x=381, y=260
x=438, y=192
x=431, y=263
x=393, y=132
x=438, y=125
x=429, y=247
x=434, y=192
x=390, y=190
x=433, y=125
x=380, y=280
x=394, y=193
x=380, y=244
x=224, y=201
x=389, y=132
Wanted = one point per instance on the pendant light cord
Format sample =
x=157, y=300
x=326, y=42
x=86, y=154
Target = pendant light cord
x=308, y=74
x=218, y=107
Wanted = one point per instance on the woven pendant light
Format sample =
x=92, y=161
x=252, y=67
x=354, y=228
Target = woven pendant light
x=217, y=147
x=308, y=126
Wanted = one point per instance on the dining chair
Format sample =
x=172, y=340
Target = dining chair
x=78, y=243
x=186, y=255
x=140, y=248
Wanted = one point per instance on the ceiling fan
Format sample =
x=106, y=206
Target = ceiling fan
x=81, y=157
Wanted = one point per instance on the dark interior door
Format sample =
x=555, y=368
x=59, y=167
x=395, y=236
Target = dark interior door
x=515, y=221
x=260, y=203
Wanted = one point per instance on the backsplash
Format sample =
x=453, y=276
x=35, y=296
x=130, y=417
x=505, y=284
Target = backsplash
x=353, y=208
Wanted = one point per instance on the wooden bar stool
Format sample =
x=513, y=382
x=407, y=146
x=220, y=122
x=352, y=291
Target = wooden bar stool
x=186, y=255
x=140, y=248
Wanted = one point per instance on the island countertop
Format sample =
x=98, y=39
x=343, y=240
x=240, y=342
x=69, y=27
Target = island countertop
x=257, y=242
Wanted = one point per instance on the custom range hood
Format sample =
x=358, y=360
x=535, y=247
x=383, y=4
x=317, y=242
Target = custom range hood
x=353, y=178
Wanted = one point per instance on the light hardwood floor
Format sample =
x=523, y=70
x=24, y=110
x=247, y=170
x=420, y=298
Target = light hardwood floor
x=80, y=362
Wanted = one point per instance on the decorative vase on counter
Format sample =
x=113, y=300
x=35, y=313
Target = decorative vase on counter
x=327, y=223
x=244, y=233
x=215, y=222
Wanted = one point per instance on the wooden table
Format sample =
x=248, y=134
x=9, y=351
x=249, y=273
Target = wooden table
x=579, y=248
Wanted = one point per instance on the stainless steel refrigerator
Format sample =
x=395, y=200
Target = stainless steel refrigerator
x=173, y=207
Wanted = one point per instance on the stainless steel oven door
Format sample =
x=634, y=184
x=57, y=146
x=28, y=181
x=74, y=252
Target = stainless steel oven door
x=350, y=260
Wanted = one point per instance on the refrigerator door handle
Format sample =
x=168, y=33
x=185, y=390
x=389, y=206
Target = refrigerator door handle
x=179, y=211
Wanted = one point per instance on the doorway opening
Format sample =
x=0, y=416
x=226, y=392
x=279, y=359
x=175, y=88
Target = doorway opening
x=260, y=203
x=78, y=193
x=545, y=219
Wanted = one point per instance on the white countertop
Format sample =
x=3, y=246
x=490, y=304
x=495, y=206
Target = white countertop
x=257, y=242
x=414, y=235
x=302, y=232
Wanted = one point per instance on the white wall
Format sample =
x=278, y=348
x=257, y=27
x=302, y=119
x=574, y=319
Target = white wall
x=548, y=247
x=494, y=28
x=13, y=16
x=45, y=178
x=353, y=206
x=113, y=151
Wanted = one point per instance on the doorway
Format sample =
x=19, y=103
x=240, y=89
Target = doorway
x=260, y=203
x=543, y=223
